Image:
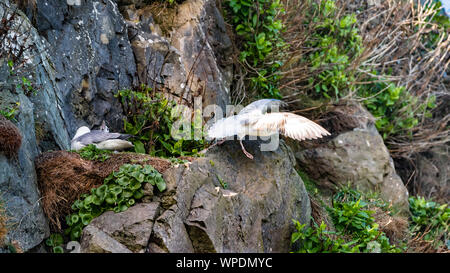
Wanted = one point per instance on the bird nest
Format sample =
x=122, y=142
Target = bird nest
x=64, y=176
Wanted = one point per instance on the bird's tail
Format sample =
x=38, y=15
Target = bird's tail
x=125, y=136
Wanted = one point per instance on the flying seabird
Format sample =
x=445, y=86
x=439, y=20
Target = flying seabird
x=253, y=120
x=102, y=139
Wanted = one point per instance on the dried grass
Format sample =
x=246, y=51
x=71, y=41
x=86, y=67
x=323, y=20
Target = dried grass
x=394, y=34
x=418, y=244
x=296, y=70
x=318, y=212
x=395, y=227
x=64, y=176
x=10, y=138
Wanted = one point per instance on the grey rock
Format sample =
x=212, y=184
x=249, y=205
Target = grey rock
x=131, y=228
x=92, y=58
x=358, y=157
x=254, y=214
x=137, y=3
x=194, y=62
x=433, y=178
x=199, y=33
x=97, y=241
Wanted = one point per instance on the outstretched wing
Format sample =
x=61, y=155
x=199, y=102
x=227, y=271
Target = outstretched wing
x=97, y=136
x=290, y=125
x=260, y=106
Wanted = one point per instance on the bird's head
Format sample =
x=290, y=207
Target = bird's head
x=104, y=128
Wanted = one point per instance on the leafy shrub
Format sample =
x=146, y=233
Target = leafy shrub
x=351, y=216
x=430, y=218
x=150, y=118
x=335, y=43
x=336, y=53
x=91, y=152
x=256, y=24
x=119, y=191
x=356, y=230
x=318, y=240
x=396, y=110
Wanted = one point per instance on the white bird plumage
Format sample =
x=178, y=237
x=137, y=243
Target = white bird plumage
x=254, y=120
x=102, y=139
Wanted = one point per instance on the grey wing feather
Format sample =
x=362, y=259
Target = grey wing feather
x=260, y=106
x=97, y=136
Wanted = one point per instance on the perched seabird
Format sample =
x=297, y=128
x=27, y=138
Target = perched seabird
x=102, y=139
x=253, y=120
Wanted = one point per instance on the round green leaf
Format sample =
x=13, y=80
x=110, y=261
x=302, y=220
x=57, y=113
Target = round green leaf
x=58, y=249
x=74, y=218
x=101, y=191
x=86, y=219
x=138, y=194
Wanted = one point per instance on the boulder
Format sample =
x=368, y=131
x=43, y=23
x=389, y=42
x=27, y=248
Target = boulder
x=253, y=214
x=131, y=229
x=223, y=202
x=359, y=157
x=97, y=241
x=76, y=59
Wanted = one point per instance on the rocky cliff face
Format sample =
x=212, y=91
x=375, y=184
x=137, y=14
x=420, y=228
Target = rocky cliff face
x=197, y=214
x=42, y=125
x=81, y=54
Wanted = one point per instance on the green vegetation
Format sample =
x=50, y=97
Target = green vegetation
x=177, y=161
x=437, y=17
x=256, y=25
x=222, y=183
x=356, y=230
x=150, y=119
x=91, y=152
x=396, y=110
x=24, y=83
x=336, y=48
x=55, y=241
x=10, y=112
x=119, y=191
x=310, y=185
x=335, y=44
x=431, y=219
